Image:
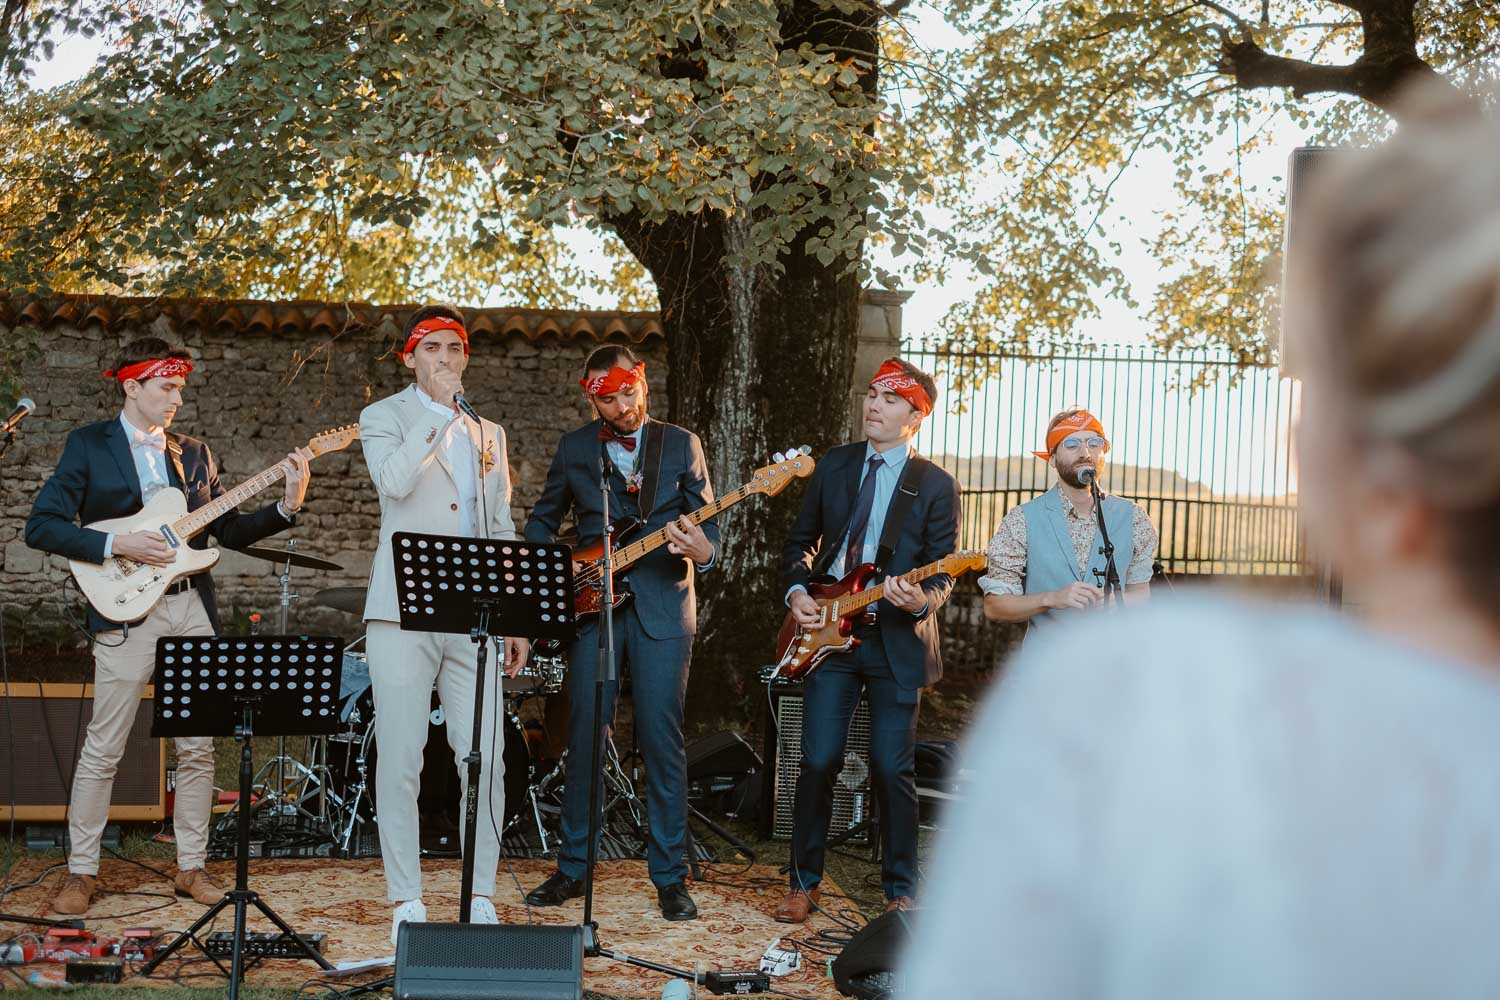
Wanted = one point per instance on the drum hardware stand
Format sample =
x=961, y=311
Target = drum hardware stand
x=302, y=704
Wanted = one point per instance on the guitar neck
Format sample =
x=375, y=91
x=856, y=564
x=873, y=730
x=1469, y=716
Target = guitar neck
x=848, y=605
x=625, y=555
x=210, y=512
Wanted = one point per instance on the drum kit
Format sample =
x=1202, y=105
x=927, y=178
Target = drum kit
x=323, y=802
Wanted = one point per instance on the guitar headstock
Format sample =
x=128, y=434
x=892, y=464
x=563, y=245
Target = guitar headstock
x=336, y=439
x=966, y=561
x=772, y=479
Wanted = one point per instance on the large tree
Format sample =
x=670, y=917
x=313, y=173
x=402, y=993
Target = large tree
x=364, y=148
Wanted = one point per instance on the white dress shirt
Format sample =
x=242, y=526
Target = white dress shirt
x=149, y=452
x=460, y=448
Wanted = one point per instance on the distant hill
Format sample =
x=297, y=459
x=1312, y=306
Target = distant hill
x=990, y=472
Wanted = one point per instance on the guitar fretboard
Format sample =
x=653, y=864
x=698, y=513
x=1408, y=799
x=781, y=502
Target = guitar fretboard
x=209, y=512
x=853, y=602
x=625, y=555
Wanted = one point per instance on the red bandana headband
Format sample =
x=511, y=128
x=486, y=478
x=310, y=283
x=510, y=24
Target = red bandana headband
x=154, y=368
x=433, y=325
x=613, y=380
x=894, y=378
x=1083, y=420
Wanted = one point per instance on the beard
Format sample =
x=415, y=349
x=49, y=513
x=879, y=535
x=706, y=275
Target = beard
x=1069, y=474
x=630, y=423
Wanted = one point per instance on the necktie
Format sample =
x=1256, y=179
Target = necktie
x=608, y=433
x=863, y=504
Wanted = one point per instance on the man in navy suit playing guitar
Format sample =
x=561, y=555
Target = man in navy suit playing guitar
x=658, y=475
x=874, y=501
x=109, y=470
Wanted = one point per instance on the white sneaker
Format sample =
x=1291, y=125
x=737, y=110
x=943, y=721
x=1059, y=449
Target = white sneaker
x=412, y=910
x=482, y=911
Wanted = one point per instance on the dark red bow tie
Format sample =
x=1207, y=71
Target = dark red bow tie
x=608, y=433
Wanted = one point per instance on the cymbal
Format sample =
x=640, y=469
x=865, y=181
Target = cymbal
x=350, y=599
x=282, y=555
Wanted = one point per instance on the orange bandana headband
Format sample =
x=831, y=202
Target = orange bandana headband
x=614, y=380
x=893, y=377
x=433, y=325
x=154, y=368
x=1083, y=420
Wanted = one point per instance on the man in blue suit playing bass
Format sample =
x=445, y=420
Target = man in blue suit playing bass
x=657, y=474
x=875, y=501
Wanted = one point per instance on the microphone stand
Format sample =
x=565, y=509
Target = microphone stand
x=591, y=945
x=1113, y=592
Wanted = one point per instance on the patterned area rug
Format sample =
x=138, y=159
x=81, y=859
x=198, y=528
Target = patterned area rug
x=345, y=900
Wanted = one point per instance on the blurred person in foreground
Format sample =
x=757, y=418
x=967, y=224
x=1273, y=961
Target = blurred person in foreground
x=1209, y=798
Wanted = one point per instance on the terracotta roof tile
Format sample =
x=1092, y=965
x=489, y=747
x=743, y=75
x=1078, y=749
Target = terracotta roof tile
x=298, y=318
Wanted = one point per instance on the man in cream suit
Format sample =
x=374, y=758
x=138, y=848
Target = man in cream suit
x=427, y=461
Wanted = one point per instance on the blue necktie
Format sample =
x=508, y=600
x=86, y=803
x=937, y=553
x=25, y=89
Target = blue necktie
x=863, y=504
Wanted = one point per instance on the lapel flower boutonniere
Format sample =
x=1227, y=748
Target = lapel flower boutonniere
x=633, y=482
x=487, y=461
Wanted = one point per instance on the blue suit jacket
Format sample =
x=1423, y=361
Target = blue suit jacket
x=929, y=534
x=665, y=599
x=96, y=480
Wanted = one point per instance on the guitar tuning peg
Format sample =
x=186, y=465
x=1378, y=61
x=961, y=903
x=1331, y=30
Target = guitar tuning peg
x=806, y=449
x=778, y=457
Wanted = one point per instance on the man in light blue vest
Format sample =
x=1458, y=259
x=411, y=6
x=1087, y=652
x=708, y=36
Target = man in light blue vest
x=1046, y=561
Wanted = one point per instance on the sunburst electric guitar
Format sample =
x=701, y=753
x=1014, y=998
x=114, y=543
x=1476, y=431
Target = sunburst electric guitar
x=123, y=590
x=588, y=583
x=799, y=650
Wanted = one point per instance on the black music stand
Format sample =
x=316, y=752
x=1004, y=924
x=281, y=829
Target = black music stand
x=215, y=686
x=482, y=587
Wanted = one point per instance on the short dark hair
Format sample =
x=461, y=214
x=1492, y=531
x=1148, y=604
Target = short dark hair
x=145, y=349
x=431, y=311
x=609, y=356
x=913, y=372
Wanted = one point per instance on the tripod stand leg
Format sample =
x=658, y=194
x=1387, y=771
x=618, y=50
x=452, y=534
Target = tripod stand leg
x=290, y=934
x=191, y=934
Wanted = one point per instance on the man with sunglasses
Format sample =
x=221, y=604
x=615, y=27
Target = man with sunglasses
x=1045, y=561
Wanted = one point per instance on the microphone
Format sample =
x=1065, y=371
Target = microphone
x=1086, y=475
x=24, y=406
x=464, y=407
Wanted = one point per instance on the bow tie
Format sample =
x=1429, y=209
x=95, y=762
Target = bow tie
x=608, y=433
x=155, y=439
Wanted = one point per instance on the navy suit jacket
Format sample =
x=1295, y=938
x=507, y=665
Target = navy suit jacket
x=95, y=480
x=929, y=534
x=665, y=599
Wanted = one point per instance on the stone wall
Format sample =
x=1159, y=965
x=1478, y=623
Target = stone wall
x=259, y=390
x=271, y=375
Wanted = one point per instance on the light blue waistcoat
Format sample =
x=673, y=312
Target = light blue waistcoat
x=1050, y=560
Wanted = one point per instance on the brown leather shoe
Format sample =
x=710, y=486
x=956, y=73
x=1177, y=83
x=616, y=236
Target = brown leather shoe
x=796, y=906
x=76, y=894
x=901, y=903
x=197, y=885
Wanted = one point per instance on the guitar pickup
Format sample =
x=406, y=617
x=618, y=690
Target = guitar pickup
x=169, y=535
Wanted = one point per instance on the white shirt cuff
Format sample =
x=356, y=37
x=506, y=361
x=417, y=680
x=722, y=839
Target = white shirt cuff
x=109, y=545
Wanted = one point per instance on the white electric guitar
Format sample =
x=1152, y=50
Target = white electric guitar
x=123, y=590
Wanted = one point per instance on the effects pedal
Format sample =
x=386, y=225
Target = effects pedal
x=261, y=944
x=736, y=982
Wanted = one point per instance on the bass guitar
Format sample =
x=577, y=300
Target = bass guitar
x=799, y=650
x=588, y=582
x=123, y=590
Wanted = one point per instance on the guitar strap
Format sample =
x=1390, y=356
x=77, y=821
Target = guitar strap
x=900, y=508
x=174, y=457
x=655, y=436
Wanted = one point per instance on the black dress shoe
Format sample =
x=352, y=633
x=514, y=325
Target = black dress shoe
x=675, y=902
x=556, y=891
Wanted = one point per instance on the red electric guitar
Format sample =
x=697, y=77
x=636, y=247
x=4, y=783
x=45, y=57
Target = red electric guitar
x=798, y=651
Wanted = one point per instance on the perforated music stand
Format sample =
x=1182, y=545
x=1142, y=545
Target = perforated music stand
x=274, y=685
x=482, y=587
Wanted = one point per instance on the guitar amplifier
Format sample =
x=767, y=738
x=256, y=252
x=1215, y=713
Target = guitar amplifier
x=488, y=962
x=49, y=724
x=852, y=798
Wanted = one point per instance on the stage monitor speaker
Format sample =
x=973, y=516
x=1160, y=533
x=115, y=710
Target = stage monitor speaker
x=499, y=961
x=49, y=724
x=852, y=801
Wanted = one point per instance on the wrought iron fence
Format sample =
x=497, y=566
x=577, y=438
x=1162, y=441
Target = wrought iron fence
x=1199, y=439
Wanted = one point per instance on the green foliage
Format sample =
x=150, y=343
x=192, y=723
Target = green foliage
x=383, y=150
